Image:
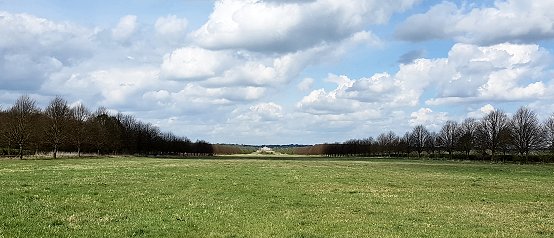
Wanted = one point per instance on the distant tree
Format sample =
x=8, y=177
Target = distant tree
x=99, y=131
x=468, y=130
x=418, y=137
x=22, y=113
x=493, y=129
x=5, y=135
x=448, y=136
x=431, y=143
x=58, y=114
x=367, y=145
x=80, y=117
x=527, y=133
x=387, y=142
x=404, y=144
x=548, y=127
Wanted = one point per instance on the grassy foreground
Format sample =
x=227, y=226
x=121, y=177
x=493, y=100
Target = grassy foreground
x=226, y=197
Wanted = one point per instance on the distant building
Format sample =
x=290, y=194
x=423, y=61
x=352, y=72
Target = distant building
x=265, y=149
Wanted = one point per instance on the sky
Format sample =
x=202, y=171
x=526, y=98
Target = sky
x=281, y=71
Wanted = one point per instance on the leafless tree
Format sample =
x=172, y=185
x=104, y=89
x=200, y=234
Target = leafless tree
x=418, y=137
x=527, y=133
x=448, y=136
x=548, y=127
x=431, y=143
x=22, y=114
x=5, y=135
x=58, y=114
x=493, y=129
x=468, y=130
x=80, y=116
x=387, y=142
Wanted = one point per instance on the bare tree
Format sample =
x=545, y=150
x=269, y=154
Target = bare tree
x=431, y=143
x=58, y=113
x=418, y=137
x=80, y=116
x=387, y=142
x=527, y=133
x=468, y=130
x=548, y=128
x=22, y=114
x=493, y=128
x=448, y=136
x=5, y=135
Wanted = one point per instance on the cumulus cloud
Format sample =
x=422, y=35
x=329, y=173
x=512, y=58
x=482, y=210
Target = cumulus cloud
x=481, y=112
x=111, y=87
x=428, y=118
x=171, y=26
x=516, y=21
x=470, y=75
x=193, y=97
x=125, y=28
x=261, y=112
x=193, y=63
x=229, y=68
x=305, y=84
x=34, y=48
x=290, y=26
x=504, y=72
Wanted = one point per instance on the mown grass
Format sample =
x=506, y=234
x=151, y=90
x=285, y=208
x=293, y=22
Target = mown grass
x=228, y=197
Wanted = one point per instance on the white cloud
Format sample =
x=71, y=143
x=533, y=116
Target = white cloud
x=516, y=21
x=193, y=63
x=228, y=68
x=426, y=116
x=470, y=75
x=34, y=48
x=305, y=84
x=284, y=26
x=261, y=112
x=481, y=112
x=171, y=26
x=108, y=87
x=193, y=97
x=504, y=72
x=125, y=28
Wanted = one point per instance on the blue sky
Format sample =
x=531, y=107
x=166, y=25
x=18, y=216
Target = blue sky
x=276, y=72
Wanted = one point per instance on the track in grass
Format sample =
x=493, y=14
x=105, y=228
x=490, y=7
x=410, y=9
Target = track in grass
x=227, y=197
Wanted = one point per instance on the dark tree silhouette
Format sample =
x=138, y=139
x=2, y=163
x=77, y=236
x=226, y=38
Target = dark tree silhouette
x=468, y=130
x=527, y=133
x=58, y=114
x=22, y=113
x=79, y=118
x=448, y=136
x=548, y=127
x=418, y=137
x=493, y=130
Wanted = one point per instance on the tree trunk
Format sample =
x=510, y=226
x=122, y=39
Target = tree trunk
x=55, y=150
x=20, y=150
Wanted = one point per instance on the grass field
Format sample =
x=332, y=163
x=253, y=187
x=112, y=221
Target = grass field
x=227, y=197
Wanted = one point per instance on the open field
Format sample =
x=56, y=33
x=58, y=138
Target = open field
x=228, y=197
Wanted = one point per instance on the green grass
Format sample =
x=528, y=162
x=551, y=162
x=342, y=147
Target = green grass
x=226, y=197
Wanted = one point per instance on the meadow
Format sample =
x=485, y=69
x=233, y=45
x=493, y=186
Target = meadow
x=294, y=197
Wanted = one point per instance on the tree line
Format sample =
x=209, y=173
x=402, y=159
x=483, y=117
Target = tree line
x=495, y=136
x=26, y=129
